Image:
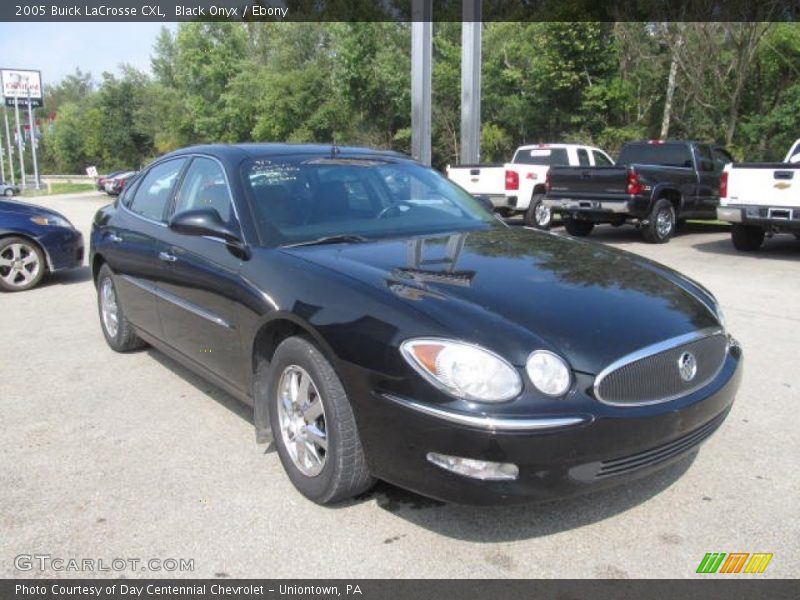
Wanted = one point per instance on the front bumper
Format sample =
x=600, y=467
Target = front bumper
x=769, y=218
x=64, y=248
x=602, y=447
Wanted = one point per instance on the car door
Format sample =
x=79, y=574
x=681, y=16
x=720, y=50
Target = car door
x=131, y=240
x=707, y=182
x=199, y=292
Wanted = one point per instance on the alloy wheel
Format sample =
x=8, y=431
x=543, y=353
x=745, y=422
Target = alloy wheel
x=108, y=307
x=542, y=215
x=664, y=223
x=301, y=416
x=19, y=265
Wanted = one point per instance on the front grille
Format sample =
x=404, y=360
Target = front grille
x=652, y=377
x=640, y=460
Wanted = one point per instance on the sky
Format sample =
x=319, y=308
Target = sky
x=56, y=49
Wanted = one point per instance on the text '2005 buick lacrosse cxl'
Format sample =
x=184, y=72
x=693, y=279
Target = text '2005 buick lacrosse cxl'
x=384, y=324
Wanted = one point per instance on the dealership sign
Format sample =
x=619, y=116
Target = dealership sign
x=21, y=86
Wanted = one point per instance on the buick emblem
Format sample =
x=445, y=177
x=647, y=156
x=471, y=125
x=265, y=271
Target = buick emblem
x=687, y=366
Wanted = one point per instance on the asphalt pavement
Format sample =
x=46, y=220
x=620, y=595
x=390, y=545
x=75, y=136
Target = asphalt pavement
x=107, y=456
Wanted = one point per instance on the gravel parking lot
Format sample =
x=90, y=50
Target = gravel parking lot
x=107, y=455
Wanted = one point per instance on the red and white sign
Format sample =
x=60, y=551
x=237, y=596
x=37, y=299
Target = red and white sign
x=20, y=85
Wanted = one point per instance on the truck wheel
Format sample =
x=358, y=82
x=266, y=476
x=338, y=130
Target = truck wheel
x=538, y=215
x=661, y=225
x=578, y=228
x=746, y=238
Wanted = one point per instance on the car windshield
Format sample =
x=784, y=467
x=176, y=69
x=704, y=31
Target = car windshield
x=307, y=199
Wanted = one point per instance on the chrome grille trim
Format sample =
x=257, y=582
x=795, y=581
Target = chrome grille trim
x=653, y=350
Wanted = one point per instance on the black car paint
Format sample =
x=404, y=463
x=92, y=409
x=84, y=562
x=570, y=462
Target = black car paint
x=511, y=291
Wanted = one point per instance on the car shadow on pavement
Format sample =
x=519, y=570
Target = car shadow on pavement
x=491, y=524
x=781, y=247
x=487, y=524
x=67, y=277
x=233, y=404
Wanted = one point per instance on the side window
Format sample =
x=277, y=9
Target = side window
x=130, y=189
x=721, y=158
x=204, y=186
x=601, y=160
x=583, y=157
x=155, y=188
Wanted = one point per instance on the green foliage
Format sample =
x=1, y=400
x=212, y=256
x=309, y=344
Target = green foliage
x=594, y=82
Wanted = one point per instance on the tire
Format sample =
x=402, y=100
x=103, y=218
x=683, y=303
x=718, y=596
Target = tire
x=22, y=264
x=8, y=193
x=117, y=330
x=661, y=223
x=538, y=215
x=327, y=464
x=746, y=238
x=578, y=228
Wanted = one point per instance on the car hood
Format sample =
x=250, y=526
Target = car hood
x=591, y=303
x=22, y=208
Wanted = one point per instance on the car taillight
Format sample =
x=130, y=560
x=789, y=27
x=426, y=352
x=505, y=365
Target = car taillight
x=634, y=185
x=547, y=183
x=512, y=180
x=723, y=185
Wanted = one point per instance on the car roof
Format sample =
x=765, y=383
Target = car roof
x=260, y=150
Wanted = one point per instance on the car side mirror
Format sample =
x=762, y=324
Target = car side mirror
x=485, y=201
x=205, y=221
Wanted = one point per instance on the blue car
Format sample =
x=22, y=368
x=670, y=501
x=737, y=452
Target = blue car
x=34, y=241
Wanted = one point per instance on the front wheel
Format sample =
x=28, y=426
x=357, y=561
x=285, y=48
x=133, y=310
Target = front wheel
x=746, y=238
x=578, y=228
x=22, y=264
x=661, y=223
x=313, y=424
x=8, y=193
x=538, y=215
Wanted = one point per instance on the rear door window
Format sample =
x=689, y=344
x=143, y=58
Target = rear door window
x=155, y=189
x=542, y=156
x=583, y=157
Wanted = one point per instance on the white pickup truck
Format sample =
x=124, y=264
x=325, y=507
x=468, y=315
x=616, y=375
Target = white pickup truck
x=525, y=176
x=518, y=186
x=481, y=180
x=761, y=199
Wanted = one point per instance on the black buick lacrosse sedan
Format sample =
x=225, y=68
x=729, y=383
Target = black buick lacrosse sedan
x=383, y=324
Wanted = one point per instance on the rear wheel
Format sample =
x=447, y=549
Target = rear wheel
x=578, y=228
x=117, y=330
x=661, y=223
x=313, y=424
x=746, y=238
x=22, y=264
x=8, y=192
x=538, y=215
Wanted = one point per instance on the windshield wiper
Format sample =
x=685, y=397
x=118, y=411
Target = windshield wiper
x=343, y=238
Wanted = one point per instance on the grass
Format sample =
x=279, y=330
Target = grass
x=60, y=188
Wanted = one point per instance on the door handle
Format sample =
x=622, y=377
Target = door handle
x=113, y=237
x=167, y=257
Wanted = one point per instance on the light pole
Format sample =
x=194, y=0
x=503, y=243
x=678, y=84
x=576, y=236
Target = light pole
x=33, y=138
x=471, y=82
x=421, y=45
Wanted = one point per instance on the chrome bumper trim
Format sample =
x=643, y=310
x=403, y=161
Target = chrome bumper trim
x=492, y=424
x=587, y=205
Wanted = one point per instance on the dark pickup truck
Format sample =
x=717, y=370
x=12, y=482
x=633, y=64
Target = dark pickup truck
x=655, y=185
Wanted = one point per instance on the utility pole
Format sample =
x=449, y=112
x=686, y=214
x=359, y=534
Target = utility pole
x=421, y=51
x=2, y=160
x=19, y=140
x=33, y=139
x=471, y=82
x=10, y=154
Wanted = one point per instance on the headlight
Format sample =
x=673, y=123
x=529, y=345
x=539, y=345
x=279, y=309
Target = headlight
x=52, y=221
x=548, y=372
x=463, y=370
